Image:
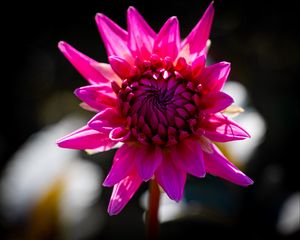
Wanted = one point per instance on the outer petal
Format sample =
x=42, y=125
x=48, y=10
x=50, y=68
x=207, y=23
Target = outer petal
x=124, y=162
x=195, y=43
x=114, y=38
x=86, y=138
x=106, y=120
x=148, y=159
x=170, y=178
x=97, y=97
x=216, y=164
x=140, y=35
x=188, y=156
x=84, y=65
x=167, y=42
x=220, y=129
x=215, y=102
x=123, y=192
x=214, y=77
x=120, y=66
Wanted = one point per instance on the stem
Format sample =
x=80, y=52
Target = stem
x=152, y=216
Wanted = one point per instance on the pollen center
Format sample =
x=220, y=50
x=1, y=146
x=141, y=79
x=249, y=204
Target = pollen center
x=159, y=104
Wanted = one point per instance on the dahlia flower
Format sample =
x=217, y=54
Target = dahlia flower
x=159, y=99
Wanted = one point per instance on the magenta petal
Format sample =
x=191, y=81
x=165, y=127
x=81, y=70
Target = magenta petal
x=119, y=134
x=170, y=178
x=215, y=102
x=114, y=38
x=106, y=120
x=217, y=164
x=140, y=35
x=148, y=159
x=214, y=77
x=123, y=192
x=120, y=66
x=124, y=161
x=83, y=64
x=195, y=42
x=188, y=156
x=97, y=97
x=220, y=129
x=167, y=41
x=86, y=138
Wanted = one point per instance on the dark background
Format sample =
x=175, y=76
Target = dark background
x=259, y=38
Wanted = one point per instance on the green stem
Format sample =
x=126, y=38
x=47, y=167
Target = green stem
x=152, y=216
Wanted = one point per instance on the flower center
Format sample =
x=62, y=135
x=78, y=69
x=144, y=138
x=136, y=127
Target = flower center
x=159, y=103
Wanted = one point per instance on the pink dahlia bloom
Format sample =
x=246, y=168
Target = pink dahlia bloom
x=158, y=98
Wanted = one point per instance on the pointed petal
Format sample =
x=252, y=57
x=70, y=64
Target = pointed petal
x=167, y=41
x=83, y=64
x=220, y=129
x=170, y=178
x=124, y=161
x=86, y=138
x=196, y=41
x=114, y=38
x=120, y=66
x=217, y=164
x=106, y=120
x=97, y=97
x=214, y=77
x=123, y=192
x=148, y=159
x=214, y=102
x=140, y=35
x=188, y=156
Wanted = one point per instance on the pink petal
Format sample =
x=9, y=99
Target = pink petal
x=167, y=41
x=214, y=77
x=106, y=120
x=170, y=178
x=188, y=156
x=220, y=129
x=148, y=159
x=97, y=97
x=123, y=192
x=114, y=38
x=214, y=102
x=83, y=64
x=107, y=72
x=119, y=134
x=217, y=164
x=195, y=42
x=124, y=161
x=140, y=35
x=86, y=138
x=120, y=66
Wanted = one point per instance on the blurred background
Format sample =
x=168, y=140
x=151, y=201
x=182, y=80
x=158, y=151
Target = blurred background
x=51, y=193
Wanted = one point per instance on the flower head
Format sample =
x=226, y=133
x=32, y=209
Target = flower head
x=158, y=98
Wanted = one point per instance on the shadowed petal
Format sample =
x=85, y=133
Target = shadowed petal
x=195, y=43
x=170, y=178
x=188, y=156
x=124, y=161
x=214, y=77
x=107, y=72
x=106, y=120
x=215, y=102
x=167, y=41
x=217, y=164
x=97, y=97
x=220, y=129
x=84, y=65
x=123, y=192
x=86, y=138
x=148, y=159
x=140, y=35
x=114, y=38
